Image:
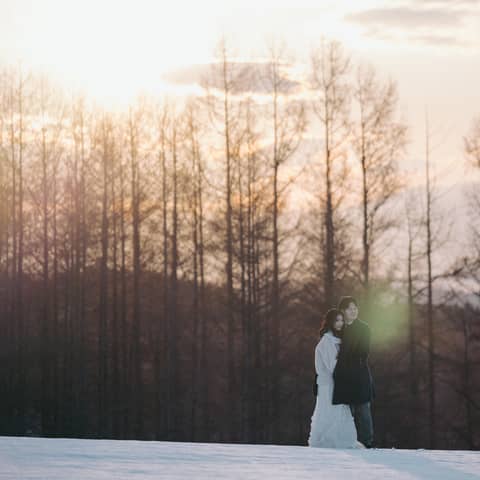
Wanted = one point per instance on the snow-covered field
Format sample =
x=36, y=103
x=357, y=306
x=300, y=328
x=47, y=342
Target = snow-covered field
x=71, y=459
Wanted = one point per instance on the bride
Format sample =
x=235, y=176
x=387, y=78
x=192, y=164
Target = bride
x=332, y=426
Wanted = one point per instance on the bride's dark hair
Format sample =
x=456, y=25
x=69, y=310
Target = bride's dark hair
x=329, y=320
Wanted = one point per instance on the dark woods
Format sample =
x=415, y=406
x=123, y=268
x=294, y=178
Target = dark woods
x=164, y=271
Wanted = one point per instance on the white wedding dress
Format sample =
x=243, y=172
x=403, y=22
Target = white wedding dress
x=332, y=425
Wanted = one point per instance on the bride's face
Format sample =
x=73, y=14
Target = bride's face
x=338, y=323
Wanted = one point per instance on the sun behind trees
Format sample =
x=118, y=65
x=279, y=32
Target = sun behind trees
x=164, y=270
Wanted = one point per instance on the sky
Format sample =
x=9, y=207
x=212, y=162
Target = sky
x=112, y=49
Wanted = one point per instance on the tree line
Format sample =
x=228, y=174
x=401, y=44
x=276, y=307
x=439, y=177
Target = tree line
x=164, y=270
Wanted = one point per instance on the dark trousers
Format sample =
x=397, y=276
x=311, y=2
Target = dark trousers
x=364, y=423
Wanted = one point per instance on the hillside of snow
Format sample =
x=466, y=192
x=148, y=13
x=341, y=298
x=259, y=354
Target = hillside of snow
x=25, y=458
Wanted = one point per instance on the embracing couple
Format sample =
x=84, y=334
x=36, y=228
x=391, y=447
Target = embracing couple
x=344, y=388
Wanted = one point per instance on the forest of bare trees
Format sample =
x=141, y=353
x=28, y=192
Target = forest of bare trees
x=164, y=270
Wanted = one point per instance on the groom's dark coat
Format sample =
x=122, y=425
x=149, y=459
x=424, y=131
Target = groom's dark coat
x=353, y=383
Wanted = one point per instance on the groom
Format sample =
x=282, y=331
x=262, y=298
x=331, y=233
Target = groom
x=353, y=383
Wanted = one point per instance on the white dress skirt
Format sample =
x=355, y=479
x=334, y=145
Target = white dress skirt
x=332, y=426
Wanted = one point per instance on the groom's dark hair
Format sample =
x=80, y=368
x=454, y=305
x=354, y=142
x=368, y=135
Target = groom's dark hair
x=345, y=302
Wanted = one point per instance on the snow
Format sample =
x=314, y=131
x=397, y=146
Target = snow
x=26, y=458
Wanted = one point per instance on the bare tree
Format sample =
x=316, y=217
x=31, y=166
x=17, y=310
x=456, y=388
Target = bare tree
x=173, y=299
x=106, y=157
x=431, y=332
x=199, y=334
x=379, y=142
x=414, y=226
x=17, y=84
x=134, y=141
x=288, y=123
x=253, y=229
x=226, y=80
x=472, y=143
x=331, y=104
x=49, y=149
x=436, y=235
x=472, y=150
x=164, y=394
x=124, y=345
x=79, y=126
x=115, y=361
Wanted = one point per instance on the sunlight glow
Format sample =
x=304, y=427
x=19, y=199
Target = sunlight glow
x=112, y=49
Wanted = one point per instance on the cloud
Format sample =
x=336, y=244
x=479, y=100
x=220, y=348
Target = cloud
x=448, y=2
x=425, y=39
x=446, y=40
x=430, y=22
x=246, y=77
x=190, y=75
x=407, y=17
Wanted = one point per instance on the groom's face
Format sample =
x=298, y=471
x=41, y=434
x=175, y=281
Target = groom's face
x=351, y=313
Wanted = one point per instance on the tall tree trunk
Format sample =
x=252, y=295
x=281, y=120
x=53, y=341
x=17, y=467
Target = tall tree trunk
x=59, y=388
x=126, y=414
x=195, y=301
x=14, y=372
x=173, y=300
x=197, y=343
x=137, y=332
x=81, y=260
x=412, y=340
x=115, y=386
x=379, y=141
x=204, y=365
x=275, y=308
x=430, y=326
x=168, y=398
x=19, y=310
x=467, y=377
x=103, y=305
x=46, y=404
x=229, y=246
x=243, y=294
x=329, y=279
x=250, y=328
x=329, y=70
x=365, y=236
